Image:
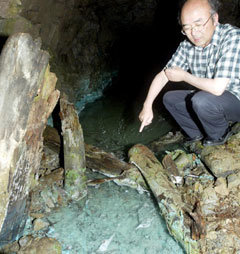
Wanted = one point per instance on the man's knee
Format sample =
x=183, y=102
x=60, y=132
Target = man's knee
x=169, y=98
x=202, y=101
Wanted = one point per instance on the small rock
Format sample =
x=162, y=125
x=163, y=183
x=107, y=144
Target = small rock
x=40, y=224
x=183, y=161
x=223, y=160
x=233, y=181
x=10, y=248
x=212, y=235
x=46, y=195
x=42, y=246
x=25, y=240
x=198, y=188
x=37, y=215
x=221, y=186
x=209, y=201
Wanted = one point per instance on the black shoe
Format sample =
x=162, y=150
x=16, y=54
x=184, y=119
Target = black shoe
x=220, y=141
x=192, y=140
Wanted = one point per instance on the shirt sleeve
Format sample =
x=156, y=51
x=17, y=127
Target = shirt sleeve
x=228, y=65
x=179, y=58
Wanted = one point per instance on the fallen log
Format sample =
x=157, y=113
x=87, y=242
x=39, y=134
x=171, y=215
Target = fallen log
x=104, y=162
x=96, y=158
x=122, y=173
x=167, y=195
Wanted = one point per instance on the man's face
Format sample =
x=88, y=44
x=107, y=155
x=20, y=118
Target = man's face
x=197, y=22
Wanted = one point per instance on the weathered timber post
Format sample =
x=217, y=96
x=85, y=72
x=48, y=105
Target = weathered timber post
x=27, y=98
x=167, y=195
x=74, y=151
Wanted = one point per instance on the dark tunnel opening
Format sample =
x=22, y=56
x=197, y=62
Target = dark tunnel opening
x=142, y=51
x=140, y=54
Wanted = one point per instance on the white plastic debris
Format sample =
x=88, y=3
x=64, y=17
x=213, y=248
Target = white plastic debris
x=147, y=224
x=176, y=179
x=104, y=246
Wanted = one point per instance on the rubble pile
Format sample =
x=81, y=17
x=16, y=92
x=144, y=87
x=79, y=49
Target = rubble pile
x=196, y=188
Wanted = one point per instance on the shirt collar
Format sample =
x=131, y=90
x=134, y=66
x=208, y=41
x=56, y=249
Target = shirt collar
x=216, y=35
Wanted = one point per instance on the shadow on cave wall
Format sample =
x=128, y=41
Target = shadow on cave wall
x=3, y=40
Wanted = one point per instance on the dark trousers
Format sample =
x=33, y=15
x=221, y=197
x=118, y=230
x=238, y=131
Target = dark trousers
x=199, y=112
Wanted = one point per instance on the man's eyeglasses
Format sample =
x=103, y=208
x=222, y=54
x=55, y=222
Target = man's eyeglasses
x=197, y=27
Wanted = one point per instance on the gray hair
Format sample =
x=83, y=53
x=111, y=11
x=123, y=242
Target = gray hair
x=214, y=4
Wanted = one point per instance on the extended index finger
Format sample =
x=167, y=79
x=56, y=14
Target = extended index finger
x=142, y=126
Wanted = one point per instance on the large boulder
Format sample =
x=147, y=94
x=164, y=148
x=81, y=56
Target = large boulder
x=223, y=160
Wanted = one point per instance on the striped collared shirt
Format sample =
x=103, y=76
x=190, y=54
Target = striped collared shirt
x=219, y=59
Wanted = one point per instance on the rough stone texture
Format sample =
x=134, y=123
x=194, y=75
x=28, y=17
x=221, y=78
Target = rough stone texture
x=28, y=96
x=10, y=20
x=48, y=194
x=225, y=159
x=79, y=34
x=10, y=248
x=42, y=245
x=39, y=224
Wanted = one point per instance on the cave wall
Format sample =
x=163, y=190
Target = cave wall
x=229, y=12
x=80, y=34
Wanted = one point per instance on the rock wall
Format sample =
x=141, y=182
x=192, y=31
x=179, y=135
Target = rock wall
x=78, y=34
x=229, y=12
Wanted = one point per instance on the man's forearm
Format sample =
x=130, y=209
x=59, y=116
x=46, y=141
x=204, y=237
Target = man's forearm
x=146, y=115
x=215, y=86
x=158, y=83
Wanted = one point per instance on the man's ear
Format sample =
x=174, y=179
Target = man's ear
x=215, y=19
